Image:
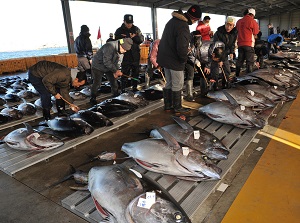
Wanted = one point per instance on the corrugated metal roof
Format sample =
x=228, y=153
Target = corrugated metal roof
x=264, y=8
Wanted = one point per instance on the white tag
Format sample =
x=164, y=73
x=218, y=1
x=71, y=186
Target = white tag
x=222, y=187
x=135, y=95
x=142, y=203
x=251, y=92
x=259, y=148
x=150, y=198
x=185, y=151
x=275, y=87
x=77, y=93
x=196, y=134
x=280, y=74
x=36, y=135
x=242, y=107
x=255, y=140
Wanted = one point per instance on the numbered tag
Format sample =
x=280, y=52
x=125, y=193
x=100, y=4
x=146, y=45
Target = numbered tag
x=185, y=151
x=142, y=203
x=275, y=87
x=196, y=134
x=150, y=198
x=242, y=107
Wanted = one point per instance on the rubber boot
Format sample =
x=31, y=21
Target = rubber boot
x=167, y=99
x=177, y=103
x=93, y=100
x=46, y=115
x=61, y=107
x=249, y=69
x=134, y=85
x=123, y=84
x=189, y=91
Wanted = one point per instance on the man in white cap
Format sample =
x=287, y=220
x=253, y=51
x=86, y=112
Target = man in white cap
x=228, y=35
x=247, y=29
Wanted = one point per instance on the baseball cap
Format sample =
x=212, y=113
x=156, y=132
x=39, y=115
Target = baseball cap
x=128, y=18
x=251, y=11
x=126, y=43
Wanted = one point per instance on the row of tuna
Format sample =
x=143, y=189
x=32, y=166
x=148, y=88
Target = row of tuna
x=252, y=93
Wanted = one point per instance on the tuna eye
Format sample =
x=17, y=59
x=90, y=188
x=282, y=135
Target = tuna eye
x=178, y=217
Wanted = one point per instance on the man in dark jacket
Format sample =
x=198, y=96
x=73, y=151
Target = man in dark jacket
x=107, y=61
x=173, y=54
x=50, y=78
x=228, y=35
x=131, y=60
x=84, y=49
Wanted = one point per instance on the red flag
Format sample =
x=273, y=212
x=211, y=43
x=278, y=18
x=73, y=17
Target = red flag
x=99, y=34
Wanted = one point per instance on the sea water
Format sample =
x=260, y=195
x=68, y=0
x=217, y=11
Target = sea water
x=33, y=53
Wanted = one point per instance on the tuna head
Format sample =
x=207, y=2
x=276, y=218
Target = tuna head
x=162, y=211
x=248, y=118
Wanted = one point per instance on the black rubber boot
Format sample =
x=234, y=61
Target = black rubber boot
x=167, y=99
x=123, y=84
x=46, y=114
x=177, y=100
x=249, y=69
x=61, y=108
x=93, y=100
x=189, y=91
x=237, y=71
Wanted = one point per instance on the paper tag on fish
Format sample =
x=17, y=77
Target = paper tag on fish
x=185, y=151
x=275, y=87
x=280, y=74
x=142, y=203
x=251, y=92
x=196, y=134
x=36, y=135
x=135, y=95
x=150, y=198
x=242, y=107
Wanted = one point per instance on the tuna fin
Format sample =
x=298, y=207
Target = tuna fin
x=171, y=141
x=230, y=98
x=262, y=83
x=183, y=124
x=28, y=127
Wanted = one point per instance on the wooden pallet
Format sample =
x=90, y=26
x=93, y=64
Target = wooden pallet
x=190, y=195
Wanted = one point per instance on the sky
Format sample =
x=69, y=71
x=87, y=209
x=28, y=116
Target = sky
x=32, y=24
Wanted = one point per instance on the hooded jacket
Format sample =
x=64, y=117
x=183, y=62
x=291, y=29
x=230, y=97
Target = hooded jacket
x=83, y=46
x=173, y=46
x=53, y=76
x=132, y=56
x=204, y=30
x=227, y=38
x=108, y=57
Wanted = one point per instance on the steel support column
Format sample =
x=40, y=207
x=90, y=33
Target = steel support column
x=68, y=25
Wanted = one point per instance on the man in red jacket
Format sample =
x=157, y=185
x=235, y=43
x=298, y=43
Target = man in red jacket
x=204, y=28
x=247, y=30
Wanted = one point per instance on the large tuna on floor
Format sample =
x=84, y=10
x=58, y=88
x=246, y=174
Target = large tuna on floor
x=133, y=98
x=166, y=156
x=93, y=118
x=75, y=126
x=27, y=139
x=233, y=113
x=243, y=97
x=207, y=143
x=114, y=107
x=112, y=189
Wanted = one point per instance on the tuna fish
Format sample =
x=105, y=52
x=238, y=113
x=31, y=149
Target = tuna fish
x=27, y=108
x=166, y=156
x=112, y=189
x=93, y=118
x=75, y=126
x=13, y=112
x=207, y=143
x=28, y=139
x=133, y=98
x=232, y=113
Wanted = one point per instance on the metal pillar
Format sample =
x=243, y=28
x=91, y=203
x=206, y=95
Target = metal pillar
x=154, y=22
x=68, y=25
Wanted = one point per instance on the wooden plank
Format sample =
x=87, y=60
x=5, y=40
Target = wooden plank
x=213, y=127
x=223, y=131
x=86, y=207
x=181, y=189
x=167, y=180
x=232, y=137
x=74, y=199
x=204, y=123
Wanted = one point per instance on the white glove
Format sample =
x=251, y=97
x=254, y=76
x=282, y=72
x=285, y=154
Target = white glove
x=198, y=64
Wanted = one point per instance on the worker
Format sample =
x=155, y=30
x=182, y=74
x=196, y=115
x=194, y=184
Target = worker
x=50, y=78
